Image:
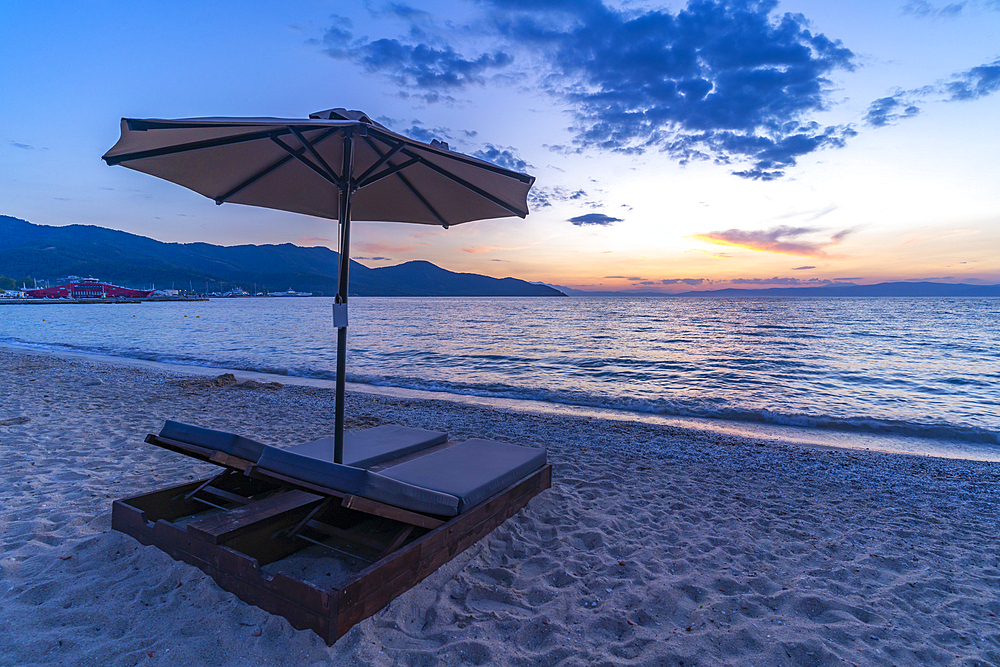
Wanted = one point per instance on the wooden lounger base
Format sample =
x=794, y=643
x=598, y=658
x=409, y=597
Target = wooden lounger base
x=231, y=545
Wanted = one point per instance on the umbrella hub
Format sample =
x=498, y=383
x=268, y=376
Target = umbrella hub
x=341, y=113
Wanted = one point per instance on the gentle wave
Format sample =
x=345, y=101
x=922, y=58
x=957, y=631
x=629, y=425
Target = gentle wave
x=664, y=407
x=920, y=368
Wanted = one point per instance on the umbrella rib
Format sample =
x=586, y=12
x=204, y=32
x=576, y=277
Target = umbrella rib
x=264, y=172
x=316, y=156
x=388, y=172
x=381, y=161
x=253, y=179
x=464, y=183
x=396, y=170
x=297, y=154
x=422, y=200
x=193, y=146
x=458, y=157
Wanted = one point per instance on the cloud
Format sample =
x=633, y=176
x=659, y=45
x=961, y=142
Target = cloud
x=475, y=250
x=726, y=80
x=782, y=240
x=685, y=281
x=966, y=86
x=803, y=268
x=375, y=259
x=502, y=157
x=417, y=65
x=594, y=219
x=634, y=279
x=779, y=281
x=887, y=110
x=312, y=240
x=27, y=147
x=543, y=197
x=924, y=9
x=974, y=83
x=732, y=81
x=378, y=247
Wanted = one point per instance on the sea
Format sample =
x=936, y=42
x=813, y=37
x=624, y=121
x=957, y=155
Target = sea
x=915, y=375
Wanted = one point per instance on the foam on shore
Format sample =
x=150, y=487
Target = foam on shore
x=656, y=545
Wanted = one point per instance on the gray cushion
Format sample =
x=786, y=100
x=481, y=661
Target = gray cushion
x=332, y=475
x=472, y=470
x=229, y=443
x=357, y=481
x=371, y=446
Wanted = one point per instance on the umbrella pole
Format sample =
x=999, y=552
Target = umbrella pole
x=341, y=299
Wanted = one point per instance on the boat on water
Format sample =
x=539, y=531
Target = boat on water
x=87, y=288
x=289, y=292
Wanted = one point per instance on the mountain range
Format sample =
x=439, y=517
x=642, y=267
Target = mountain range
x=42, y=251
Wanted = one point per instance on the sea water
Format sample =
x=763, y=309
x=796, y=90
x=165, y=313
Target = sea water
x=904, y=367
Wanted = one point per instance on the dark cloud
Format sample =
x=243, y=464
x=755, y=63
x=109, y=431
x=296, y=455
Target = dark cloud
x=420, y=65
x=725, y=80
x=782, y=239
x=502, y=157
x=685, y=281
x=375, y=259
x=803, y=268
x=633, y=279
x=647, y=282
x=731, y=81
x=971, y=84
x=974, y=83
x=594, y=219
x=888, y=110
x=26, y=147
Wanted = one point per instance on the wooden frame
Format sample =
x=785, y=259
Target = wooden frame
x=231, y=544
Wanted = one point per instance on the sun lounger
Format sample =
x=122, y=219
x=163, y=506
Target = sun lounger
x=362, y=449
x=429, y=501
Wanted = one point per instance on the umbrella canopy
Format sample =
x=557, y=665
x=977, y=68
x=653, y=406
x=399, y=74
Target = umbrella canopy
x=336, y=164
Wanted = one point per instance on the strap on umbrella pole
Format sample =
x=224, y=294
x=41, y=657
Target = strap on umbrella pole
x=341, y=301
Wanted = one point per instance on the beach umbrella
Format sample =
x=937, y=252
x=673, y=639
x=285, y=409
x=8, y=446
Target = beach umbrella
x=336, y=164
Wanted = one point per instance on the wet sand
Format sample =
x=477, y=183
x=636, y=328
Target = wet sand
x=655, y=546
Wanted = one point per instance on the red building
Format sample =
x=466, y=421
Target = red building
x=90, y=288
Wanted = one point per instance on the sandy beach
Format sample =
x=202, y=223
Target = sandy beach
x=654, y=546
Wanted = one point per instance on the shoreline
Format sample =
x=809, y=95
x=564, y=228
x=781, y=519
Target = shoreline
x=655, y=545
x=785, y=434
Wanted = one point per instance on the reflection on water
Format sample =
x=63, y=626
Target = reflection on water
x=922, y=367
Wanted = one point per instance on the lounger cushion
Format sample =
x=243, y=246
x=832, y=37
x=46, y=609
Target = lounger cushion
x=364, y=449
x=229, y=443
x=357, y=481
x=472, y=470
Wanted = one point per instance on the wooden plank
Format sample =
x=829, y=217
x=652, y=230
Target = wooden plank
x=180, y=447
x=355, y=502
x=166, y=504
x=230, y=461
x=328, y=613
x=391, y=512
x=226, y=525
x=379, y=584
x=353, y=537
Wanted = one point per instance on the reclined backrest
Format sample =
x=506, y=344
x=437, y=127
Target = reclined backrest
x=229, y=443
x=356, y=481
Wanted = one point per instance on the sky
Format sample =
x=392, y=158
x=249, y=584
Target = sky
x=676, y=146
